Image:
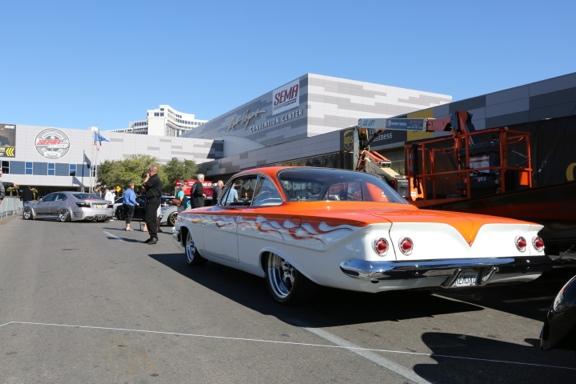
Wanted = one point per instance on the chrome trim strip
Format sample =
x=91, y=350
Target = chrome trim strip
x=382, y=270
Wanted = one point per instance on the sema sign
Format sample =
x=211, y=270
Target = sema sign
x=52, y=143
x=286, y=97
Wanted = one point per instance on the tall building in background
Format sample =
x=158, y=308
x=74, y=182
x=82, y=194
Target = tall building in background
x=164, y=121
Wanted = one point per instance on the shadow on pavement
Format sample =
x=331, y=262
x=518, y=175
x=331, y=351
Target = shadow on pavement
x=331, y=307
x=448, y=350
x=530, y=300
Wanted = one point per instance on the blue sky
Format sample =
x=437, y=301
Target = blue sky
x=75, y=64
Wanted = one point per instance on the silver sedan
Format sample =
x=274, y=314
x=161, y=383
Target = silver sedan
x=69, y=206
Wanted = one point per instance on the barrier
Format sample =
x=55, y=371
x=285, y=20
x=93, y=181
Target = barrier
x=10, y=206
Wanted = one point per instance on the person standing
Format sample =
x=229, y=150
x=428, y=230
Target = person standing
x=217, y=191
x=197, y=192
x=153, y=191
x=129, y=201
x=109, y=196
x=26, y=195
x=2, y=190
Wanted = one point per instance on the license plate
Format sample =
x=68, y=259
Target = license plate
x=466, y=279
x=99, y=206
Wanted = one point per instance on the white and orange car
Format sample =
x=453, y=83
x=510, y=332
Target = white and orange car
x=351, y=230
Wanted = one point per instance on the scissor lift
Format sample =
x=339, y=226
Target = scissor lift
x=466, y=165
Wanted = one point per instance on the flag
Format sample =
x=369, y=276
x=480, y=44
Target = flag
x=98, y=138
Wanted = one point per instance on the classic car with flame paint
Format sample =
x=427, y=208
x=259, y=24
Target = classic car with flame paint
x=295, y=226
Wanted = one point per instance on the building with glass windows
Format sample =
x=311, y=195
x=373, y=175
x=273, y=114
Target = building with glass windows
x=58, y=158
x=164, y=121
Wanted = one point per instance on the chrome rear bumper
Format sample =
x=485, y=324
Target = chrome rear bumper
x=376, y=271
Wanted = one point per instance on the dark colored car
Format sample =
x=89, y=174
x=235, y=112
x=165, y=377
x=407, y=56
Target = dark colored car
x=559, y=329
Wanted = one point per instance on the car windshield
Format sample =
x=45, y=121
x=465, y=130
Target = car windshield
x=320, y=184
x=86, y=196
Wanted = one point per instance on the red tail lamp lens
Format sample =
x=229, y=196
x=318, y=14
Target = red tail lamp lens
x=381, y=246
x=406, y=246
x=538, y=243
x=521, y=243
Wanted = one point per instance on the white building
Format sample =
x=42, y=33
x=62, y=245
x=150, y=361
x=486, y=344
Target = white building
x=63, y=158
x=164, y=121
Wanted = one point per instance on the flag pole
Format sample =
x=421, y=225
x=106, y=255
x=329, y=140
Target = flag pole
x=93, y=175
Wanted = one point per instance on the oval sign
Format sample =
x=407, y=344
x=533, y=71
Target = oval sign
x=52, y=143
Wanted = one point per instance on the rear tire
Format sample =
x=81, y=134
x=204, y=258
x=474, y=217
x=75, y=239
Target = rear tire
x=64, y=215
x=285, y=283
x=192, y=255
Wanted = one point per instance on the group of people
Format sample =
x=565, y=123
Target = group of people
x=152, y=190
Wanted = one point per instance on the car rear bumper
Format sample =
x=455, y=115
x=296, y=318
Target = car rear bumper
x=93, y=214
x=443, y=273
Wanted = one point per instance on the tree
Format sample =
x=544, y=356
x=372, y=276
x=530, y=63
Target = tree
x=121, y=172
x=178, y=170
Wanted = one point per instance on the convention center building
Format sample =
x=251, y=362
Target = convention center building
x=52, y=158
x=303, y=122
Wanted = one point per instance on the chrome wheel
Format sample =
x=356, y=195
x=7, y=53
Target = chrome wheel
x=27, y=214
x=281, y=277
x=63, y=215
x=172, y=219
x=192, y=255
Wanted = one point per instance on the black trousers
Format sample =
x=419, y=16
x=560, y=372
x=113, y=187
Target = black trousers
x=129, y=209
x=151, y=217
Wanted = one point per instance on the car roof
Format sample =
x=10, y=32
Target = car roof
x=268, y=171
x=274, y=170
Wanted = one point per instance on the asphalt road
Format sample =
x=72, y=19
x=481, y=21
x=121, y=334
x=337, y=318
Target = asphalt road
x=90, y=303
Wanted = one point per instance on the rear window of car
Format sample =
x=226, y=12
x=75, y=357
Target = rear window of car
x=86, y=196
x=323, y=184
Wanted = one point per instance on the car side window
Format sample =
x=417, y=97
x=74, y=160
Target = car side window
x=266, y=194
x=239, y=191
x=50, y=197
x=60, y=197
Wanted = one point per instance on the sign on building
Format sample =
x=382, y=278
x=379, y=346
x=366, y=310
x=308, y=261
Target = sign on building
x=52, y=143
x=7, y=140
x=394, y=124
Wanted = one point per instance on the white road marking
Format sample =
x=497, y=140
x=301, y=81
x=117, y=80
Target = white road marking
x=369, y=355
x=282, y=342
x=8, y=323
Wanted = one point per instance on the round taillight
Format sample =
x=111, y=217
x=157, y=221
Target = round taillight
x=381, y=246
x=521, y=243
x=538, y=243
x=406, y=245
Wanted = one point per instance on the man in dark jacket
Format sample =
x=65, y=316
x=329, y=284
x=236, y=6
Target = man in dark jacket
x=27, y=195
x=197, y=195
x=153, y=191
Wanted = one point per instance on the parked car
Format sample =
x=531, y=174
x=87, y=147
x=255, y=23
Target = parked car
x=559, y=330
x=69, y=206
x=167, y=216
x=351, y=230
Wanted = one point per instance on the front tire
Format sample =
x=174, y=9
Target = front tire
x=27, y=214
x=172, y=219
x=285, y=283
x=64, y=215
x=192, y=255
